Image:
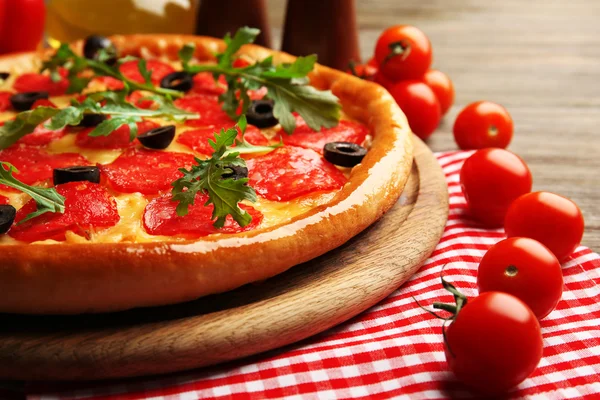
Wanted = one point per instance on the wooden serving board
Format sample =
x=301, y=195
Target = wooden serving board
x=299, y=303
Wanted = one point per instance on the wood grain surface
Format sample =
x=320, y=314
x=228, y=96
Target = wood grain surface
x=302, y=302
x=539, y=58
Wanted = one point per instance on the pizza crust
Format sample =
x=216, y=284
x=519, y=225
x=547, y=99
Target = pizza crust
x=98, y=277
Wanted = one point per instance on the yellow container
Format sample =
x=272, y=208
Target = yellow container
x=68, y=20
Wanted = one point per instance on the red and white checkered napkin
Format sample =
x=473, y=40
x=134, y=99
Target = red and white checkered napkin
x=395, y=349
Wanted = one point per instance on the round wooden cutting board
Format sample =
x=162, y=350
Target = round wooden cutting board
x=301, y=302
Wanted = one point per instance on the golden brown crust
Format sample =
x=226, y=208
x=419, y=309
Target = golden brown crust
x=77, y=278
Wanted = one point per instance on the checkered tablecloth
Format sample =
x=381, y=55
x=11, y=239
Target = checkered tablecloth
x=395, y=349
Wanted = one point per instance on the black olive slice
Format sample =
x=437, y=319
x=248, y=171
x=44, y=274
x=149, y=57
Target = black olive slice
x=344, y=154
x=179, y=80
x=260, y=114
x=90, y=120
x=76, y=174
x=4, y=75
x=7, y=217
x=24, y=101
x=236, y=173
x=158, y=138
x=94, y=43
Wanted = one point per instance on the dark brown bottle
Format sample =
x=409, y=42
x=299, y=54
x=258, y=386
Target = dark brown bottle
x=217, y=17
x=325, y=27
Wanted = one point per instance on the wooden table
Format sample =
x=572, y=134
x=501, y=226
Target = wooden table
x=538, y=58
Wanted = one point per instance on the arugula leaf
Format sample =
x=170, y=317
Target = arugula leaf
x=142, y=67
x=47, y=199
x=120, y=111
x=243, y=36
x=65, y=57
x=287, y=85
x=24, y=123
x=207, y=177
x=186, y=53
x=244, y=147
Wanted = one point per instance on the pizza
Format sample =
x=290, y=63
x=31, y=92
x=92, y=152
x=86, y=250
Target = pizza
x=119, y=240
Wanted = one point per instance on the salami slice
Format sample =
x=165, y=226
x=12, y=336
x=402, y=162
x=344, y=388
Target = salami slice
x=197, y=139
x=158, y=70
x=137, y=98
x=207, y=107
x=36, y=165
x=3, y=199
x=32, y=82
x=304, y=136
x=41, y=136
x=145, y=171
x=204, y=83
x=291, y=172
x=108, y=81
x=88, y=206
x=160, y=218
x=118, y=139
x=5, y=101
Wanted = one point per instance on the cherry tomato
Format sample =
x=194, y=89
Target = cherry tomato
x=363, y=71
x=420, y=105
x=442, y=87
x=373, y=63
x=491, y=180
x=524, y=268
x=22, y=26
x=403, y=52
x=483, y=124
x=494, y=343
x=383, y=81
x=553, y=220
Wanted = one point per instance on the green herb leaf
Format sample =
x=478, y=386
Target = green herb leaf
x=207, y=177
x=186, y=53
x=47, y=199
x=243, y=36
x=287, y=84
x=142, y=67
x=120, y=111
x=24, y=123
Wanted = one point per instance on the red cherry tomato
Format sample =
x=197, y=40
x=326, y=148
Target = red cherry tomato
x=442, y=87
x=420, y=105
x=524, y=268
x=383, y=81
x=403, y=52
x=553, y=220
x=491, y=180
x=494, y=343
x=483, y=124
x=22, y=26
x=363, y=71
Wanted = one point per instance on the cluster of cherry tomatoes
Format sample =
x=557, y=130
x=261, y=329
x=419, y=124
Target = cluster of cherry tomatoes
x=494, y=341
x=519, y=279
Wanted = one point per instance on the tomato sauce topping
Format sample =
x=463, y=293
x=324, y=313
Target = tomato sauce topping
x=304, y=136
x=5, y=101
x=158, y=70
x=197, y=139
x=290, y=172
x=118, y=139
x=88, y=206
x=160, y=218
x=32, y=82
x=207, y=107
x=145, y=171
x=36, y=165
x=3, y=200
